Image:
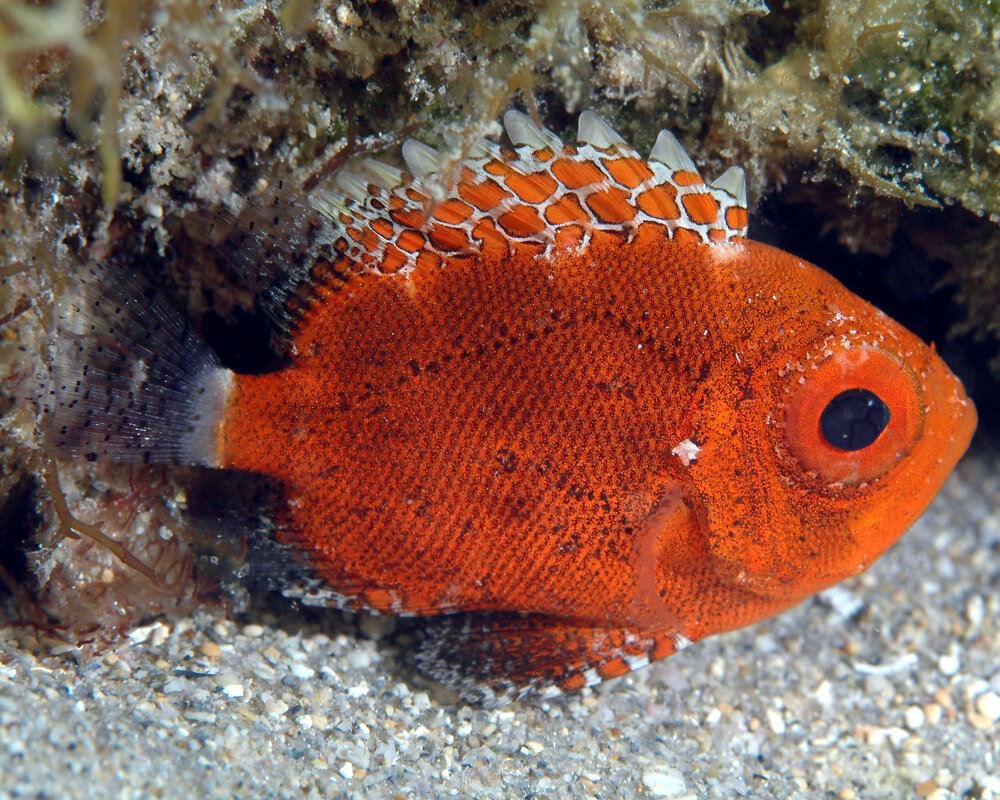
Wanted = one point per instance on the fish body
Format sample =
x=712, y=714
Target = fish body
x=568, y=411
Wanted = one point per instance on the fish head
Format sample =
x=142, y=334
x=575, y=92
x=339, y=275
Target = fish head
x=839, y=435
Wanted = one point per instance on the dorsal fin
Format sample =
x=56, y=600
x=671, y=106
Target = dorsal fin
x=542, y=192
x=274, y=239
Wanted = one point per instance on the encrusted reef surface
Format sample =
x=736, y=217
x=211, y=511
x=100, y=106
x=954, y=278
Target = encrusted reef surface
x=870, y=132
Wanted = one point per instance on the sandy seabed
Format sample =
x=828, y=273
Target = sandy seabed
x=887, y=686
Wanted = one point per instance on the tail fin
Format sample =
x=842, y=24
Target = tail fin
x=129, y=380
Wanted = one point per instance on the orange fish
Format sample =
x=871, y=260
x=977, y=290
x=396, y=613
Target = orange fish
x=563, y=409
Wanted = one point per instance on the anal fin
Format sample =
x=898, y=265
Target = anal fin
x=497, y=658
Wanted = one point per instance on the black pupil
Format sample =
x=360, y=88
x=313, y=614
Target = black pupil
x=854, y=419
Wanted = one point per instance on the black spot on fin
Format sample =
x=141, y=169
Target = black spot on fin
x=129, y=380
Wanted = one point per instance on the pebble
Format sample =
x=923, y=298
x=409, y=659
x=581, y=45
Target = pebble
x=914, y=717
x=664, y=782
x=988, y=704
x=120, y=669
x=949, y=663
x=845, y=603
x=894, y=736
x=775, y=721
x=140, y=635
x=210, y=649
x=276, y=707
x=824, y=694
x=900, y=664
x=302, y=671
x=360, y=658
x=975, y=610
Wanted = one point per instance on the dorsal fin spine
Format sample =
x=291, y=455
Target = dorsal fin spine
x=513, y=190
x=374, y=217
x=422, y=160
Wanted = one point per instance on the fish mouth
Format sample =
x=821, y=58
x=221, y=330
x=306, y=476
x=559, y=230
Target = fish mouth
x=951, y=432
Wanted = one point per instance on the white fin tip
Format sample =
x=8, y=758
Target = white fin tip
x=522, y=130
x=669, y=151
x=327, y=202
x=352, y=187
x=594, y=130
x=733, y=181
x=481, y=148
x=421, y=159
x=382, y=174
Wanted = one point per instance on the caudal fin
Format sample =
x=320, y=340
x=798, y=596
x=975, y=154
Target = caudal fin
x=129, y=380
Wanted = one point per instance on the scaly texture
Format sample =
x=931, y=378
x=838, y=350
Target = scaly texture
x=589, y=428
x=562, y=405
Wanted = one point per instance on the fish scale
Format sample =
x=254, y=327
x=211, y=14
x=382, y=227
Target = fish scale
x=562, y=409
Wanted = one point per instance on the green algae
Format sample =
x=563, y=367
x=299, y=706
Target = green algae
x=898, y=104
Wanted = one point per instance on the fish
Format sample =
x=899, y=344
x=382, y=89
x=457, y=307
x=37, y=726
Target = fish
x=547, y=397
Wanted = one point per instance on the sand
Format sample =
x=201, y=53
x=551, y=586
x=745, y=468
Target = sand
x=885, y=687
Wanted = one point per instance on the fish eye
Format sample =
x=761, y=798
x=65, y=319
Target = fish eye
x=854, y=419
x=849, y=414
